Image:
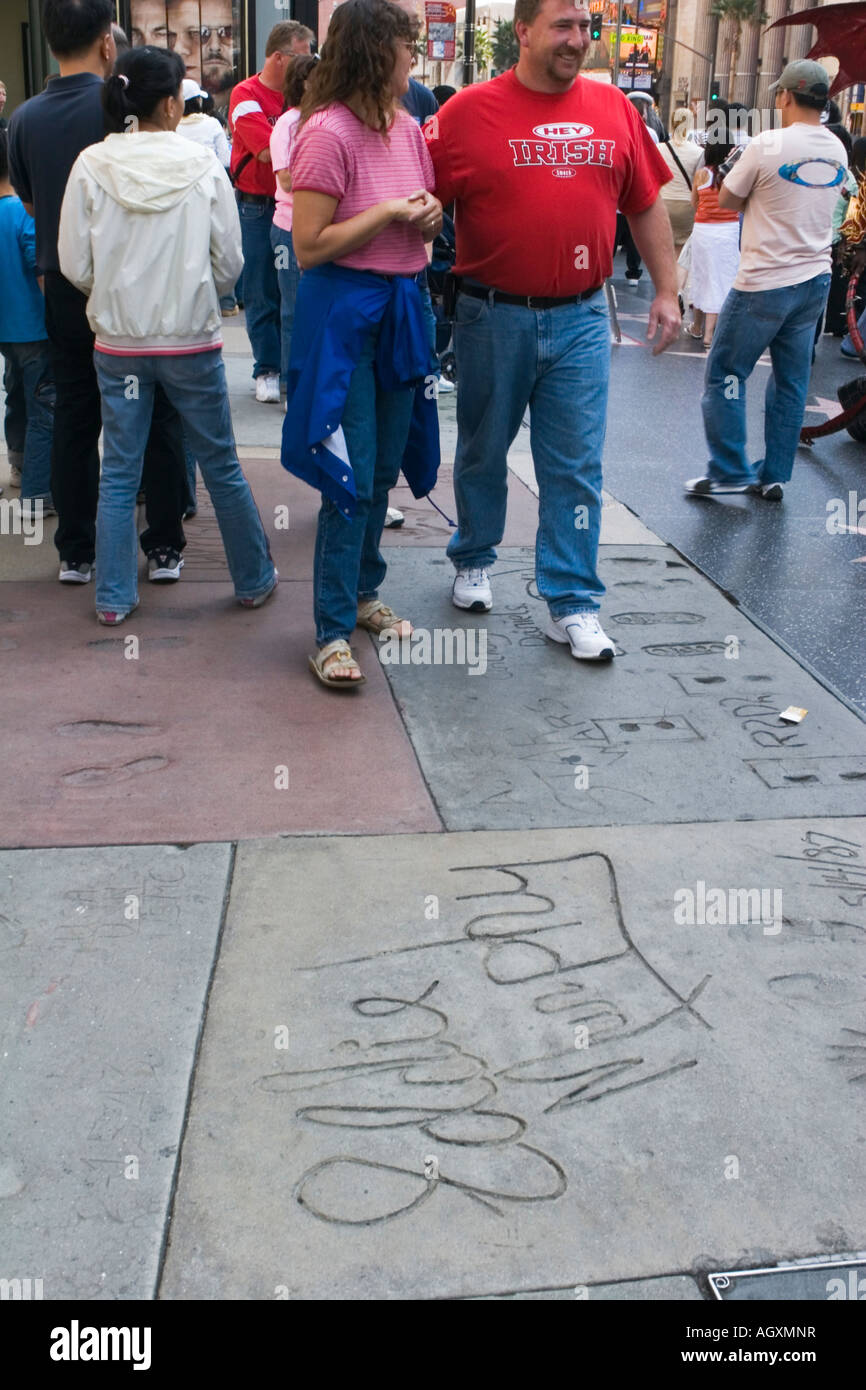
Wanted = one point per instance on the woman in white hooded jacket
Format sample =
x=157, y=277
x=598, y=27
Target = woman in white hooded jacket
x=149, y=231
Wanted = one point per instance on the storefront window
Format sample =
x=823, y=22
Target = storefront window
x=206, y=34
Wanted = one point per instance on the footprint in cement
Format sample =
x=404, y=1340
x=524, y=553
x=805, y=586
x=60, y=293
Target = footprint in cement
x=99, y=776
x=105, y=726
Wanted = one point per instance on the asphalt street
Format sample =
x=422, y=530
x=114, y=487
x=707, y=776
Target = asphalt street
x=803, y=582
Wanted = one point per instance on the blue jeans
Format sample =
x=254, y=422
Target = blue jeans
x=348, y=566
x=557, y=362
x=261, y=289
x=196, y=387
x=846, y=344
x=30, y=365
x=288, y=279
x=430, y=320
x=784, y=321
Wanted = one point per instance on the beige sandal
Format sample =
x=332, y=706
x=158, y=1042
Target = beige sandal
x=338, y=656
x=375, y=616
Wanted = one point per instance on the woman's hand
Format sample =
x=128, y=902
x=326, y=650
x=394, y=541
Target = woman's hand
x=421, y=210
x=318, y=239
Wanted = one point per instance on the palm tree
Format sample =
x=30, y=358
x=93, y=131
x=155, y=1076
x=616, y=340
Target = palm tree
x=506, y=49
x=741, y=12
x=483, y=49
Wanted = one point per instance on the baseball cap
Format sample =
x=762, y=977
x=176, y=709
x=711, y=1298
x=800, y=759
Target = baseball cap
x=805, y=78
x=190, y=89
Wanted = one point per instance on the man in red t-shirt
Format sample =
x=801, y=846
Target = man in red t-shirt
x=538, y=161
x=255, y=105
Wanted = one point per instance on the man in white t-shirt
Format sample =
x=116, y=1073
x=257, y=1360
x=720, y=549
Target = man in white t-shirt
x=786, y=182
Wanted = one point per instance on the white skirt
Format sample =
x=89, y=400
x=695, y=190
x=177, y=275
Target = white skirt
x=715, y=258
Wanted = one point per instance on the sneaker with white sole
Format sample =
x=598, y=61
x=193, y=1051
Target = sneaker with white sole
x=164, y=566
x=472, y=591
x=771, y=492
x=394, y=518
x=15, y=471
x=81, y=573
x=708, y=487
x=268, y=388
x=110, y=618
x=443, y=386
x=584, y=634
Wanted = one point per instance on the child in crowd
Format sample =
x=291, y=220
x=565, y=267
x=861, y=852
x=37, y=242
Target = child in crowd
x=24, y=341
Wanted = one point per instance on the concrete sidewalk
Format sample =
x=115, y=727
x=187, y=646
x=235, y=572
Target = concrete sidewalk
x=491, y=984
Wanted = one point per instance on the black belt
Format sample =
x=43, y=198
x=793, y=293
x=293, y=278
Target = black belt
x=260, y=198
x=529, y=301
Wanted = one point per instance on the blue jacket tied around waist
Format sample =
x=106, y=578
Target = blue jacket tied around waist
x=335, y=311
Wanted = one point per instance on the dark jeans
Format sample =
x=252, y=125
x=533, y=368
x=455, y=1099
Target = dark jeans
x=15, y=423
x=782, y=320
x=624, y=238
x=288, y=279
x=261, y=287
x=31, y=365
x=77, y=423
x=835, y=319
x=348, y=566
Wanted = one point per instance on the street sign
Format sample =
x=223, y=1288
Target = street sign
x=441, y=30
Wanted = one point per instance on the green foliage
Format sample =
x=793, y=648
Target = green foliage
x=740, y=11
x=483, y=49
x=505, y=48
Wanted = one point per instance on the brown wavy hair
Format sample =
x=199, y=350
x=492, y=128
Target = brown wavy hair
x=358, y=59
x=295, y=80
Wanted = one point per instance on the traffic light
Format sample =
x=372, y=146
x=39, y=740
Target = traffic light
x=595, y=26
x=714, y=92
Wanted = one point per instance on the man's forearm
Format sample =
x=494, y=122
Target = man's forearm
x=654, y=240
x=729, y=201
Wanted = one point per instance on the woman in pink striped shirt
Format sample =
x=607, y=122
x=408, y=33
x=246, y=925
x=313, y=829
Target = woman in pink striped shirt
x=361, y=179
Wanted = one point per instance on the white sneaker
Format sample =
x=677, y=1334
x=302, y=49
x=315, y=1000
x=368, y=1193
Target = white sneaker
x=268, y=389
x=82, y=573
x=394, y=518
x=708, y=487
x=443, y=386
x=584, y=634
x=472, y=590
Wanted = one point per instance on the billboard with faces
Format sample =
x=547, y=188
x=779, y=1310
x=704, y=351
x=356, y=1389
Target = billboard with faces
x=205, y=33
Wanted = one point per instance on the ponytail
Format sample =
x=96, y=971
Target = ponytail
x=142, y=78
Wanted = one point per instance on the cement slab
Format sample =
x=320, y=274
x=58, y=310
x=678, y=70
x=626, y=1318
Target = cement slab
x=619, y=526
x=467, y=1064
x=425, y=526
x=195, y=721
x=106, y=956
x=683, y=725
x=31, y=556
x=289, y=509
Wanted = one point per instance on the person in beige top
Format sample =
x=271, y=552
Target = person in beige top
x=682, y=157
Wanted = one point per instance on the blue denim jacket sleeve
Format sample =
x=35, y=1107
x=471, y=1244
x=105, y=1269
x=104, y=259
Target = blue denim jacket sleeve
x=336, y=309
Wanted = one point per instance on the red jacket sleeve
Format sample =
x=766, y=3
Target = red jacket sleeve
x=251, y=129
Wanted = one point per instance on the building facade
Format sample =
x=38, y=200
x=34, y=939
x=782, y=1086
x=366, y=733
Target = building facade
x=224, y=40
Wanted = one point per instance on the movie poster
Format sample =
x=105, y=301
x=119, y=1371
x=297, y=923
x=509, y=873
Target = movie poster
x=206, y=34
